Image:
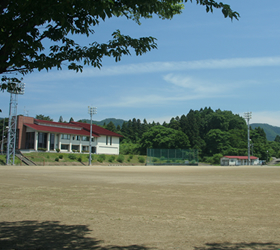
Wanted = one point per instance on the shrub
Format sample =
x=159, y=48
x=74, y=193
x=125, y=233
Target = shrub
x=130, y=157
x=103, y=157
x=60, y=156
x=100, y=159
x=155, y=159
x=120, y=159
x=141, y=159
x=56, y=159
x=127, y=148
x=72, y=157
x=215, y=159
x=111, y=158
x=80, y=159
x=42, y=149
x=57, y=150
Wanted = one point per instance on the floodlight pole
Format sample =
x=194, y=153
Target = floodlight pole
x=248, y=116
x=3, y=136
x=91, y=111
x=12, y=129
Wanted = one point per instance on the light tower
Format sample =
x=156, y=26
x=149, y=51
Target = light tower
x=91, y=111
x=11, y=143
x=248, y=116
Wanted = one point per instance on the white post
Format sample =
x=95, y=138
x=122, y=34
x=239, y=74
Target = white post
x=48, y=142
x=36, y=141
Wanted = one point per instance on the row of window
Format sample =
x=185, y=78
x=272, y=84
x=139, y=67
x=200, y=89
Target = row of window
x=76, y=147
x=76, y=138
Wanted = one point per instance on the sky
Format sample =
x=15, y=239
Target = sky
x=202, y=60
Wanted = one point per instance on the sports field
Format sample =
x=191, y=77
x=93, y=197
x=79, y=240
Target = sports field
x=139, y=207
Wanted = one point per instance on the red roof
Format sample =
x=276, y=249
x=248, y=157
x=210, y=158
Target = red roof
x=62, y=124
x=96, y=129
x=60, y=130
x=74, y=128
x=241, y=157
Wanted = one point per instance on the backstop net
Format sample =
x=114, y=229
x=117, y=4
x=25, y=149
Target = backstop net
x=172, y=156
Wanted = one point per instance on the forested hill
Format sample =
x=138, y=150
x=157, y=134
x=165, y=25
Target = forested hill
x=116, y=122
x=270, y=131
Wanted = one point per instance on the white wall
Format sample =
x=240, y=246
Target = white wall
x=99, y=143
x=103, y=148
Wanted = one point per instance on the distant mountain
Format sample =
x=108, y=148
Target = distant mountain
x=108, y=120
x=271, y=131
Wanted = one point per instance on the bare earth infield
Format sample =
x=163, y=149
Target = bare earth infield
x=139, y=208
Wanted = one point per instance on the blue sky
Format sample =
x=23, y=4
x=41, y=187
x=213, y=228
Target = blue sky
x=202, y=60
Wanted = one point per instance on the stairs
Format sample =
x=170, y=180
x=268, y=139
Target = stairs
x=24, y=159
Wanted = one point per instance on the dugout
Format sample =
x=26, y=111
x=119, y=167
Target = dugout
x=172, y=157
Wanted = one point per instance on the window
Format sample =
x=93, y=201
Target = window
x=42, y=140
x=64, y=147
x=85, y=138
x=52, y=142
x=65, y=137
x=76, y=147
x=107, y=140
x=78, y=137
x=29, y=140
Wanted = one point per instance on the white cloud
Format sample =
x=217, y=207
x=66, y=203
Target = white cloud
x=200, y=88
x=153, y=67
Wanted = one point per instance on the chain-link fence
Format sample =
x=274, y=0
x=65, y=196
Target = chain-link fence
x=172, y=156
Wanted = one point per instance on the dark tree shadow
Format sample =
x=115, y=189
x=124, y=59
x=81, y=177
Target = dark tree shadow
x=240, y=246
x=50, y=235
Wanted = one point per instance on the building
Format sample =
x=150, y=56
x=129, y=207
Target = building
x=238, y=160
x=36, y=135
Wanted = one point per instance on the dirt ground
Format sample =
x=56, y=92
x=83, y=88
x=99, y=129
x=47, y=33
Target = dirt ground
x=139, y=207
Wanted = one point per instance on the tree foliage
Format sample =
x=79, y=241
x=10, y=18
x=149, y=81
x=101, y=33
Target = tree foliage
x=111, y=126
x=43, y=117
x=214, y=133
x=60, y=119
x=27, y=26
x=161, y=137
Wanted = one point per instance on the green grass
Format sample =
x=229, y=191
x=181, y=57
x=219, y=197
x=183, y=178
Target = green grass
x=41, y=157
x=3, y=160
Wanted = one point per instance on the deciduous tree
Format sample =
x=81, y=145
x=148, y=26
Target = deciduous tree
x=28, y=25
x=162, y=137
